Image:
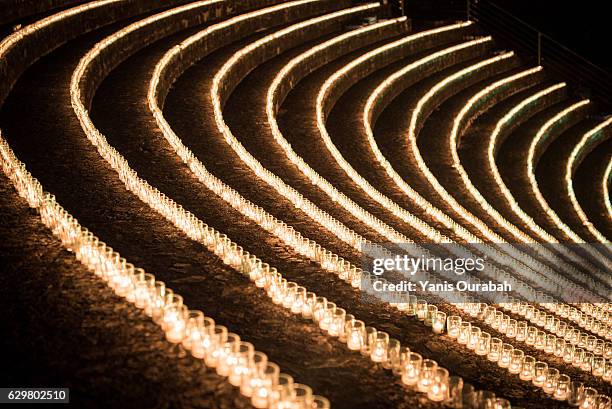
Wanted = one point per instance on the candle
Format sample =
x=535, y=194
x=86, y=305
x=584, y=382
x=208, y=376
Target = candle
x=426, y=378
x=356, y=335
x=438, y=323
x=527, y=369
x=438, y=390
x=562, y=389
x=540, y=369
x=411, y=369
x=453, y=324
x=379, y=349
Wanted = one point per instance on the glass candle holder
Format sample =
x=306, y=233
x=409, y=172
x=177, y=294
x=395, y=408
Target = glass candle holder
x=393, y=356
x=453, y=324
x=495, y=347
x=411, y=369
x=283, y=396
x=142, y=288
x=540, y=370
x=575, y=393
x=559, y=348
x=194, y=330
x=483, y=346
x=598, y=365
x=550, y=385
x=465, y=330
x=432, y=310
x=589, y=400
x=562, y=390
x=568, y=353
x=239, y=362
x=551, y=342
x=428, y=372
x=540, y=342
x=355, y=335
x=318, y=309
x=455, y=391
x=421, y=310
x=200, y=347
x=225, y=354
x=310, y=300
x=174, y=322
x=217, y=340
x=505, y=355
x=532, y=333
x=521, y=331
x=379, y=348
x=439, y=322
x=474, y=337
x=348, y=320
x=516, y=361
x=527, y=369
x=512, y=328
x=578, y=357
x=336, y=325
x=252, y=377
x=483, y=398
x=607, y=376
x=328, y=314
x=438, y=389
x=468, y=396
x=368, y=341
x=411, y=305
x=587, y=361
x=265, y=386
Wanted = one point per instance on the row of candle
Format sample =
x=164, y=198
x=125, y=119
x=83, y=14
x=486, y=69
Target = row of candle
x=245, y=368
x=432, y=178
x=494, y=138
x=416, y=120
x=459, y=121
x=493, y=146
x=288, y=294
x=542, y=138
x=581, y=350
x=585, y=142
x=271, y=101
x=288, y=234
x=369, y=108
x=385, y=86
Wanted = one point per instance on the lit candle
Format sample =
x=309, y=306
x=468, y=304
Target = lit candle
x=540, y=369
x=438, y=323
x=438, y=391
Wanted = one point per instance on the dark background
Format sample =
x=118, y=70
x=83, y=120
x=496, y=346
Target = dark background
x=582, y=26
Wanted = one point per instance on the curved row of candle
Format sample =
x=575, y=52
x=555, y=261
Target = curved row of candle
x=19, y=35
x=454, y=152
x=571, y=165
x=432, y=380
x=272, y=102
x=288, y=234
x=244, y=367
x=550, y=335
x=500, y=126
x=405, y=187
x=452, y=140
x=158, y=74
x=368, y=111
x=532, y=159
x=508, y=195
